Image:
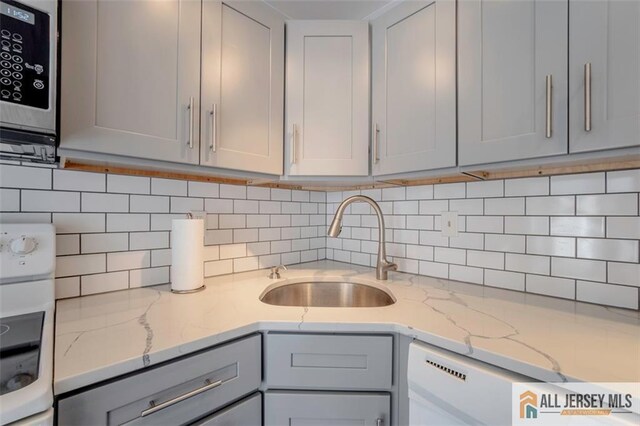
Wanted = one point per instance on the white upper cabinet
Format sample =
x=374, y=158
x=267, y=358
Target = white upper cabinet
x=327, y=98
x=242, y=86
x=130, y=78
x=414, y=87
x=604, y=74
x=512, y=79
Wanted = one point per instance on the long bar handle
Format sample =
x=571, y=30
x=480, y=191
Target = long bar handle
x=190, y=108
x=376, y=138
x=213, y=146
x=587, y=97
x=549, y=112
x=379, y=422
x=157, y=407
x=294, y=140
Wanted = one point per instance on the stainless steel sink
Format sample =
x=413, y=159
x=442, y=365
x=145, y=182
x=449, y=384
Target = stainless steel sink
x=331, y=294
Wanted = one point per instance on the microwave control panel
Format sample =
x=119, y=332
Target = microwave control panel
x=24, y=55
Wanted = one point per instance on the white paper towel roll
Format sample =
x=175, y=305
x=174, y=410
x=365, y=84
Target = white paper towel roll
x=187, y=254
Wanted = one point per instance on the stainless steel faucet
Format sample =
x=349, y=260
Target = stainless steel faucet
x=275, y=271
x=383, y=265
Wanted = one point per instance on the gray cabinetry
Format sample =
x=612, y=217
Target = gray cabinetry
x=316, y=361
x=176, y=393
x=512, y=80
x=339, y=408
x=247, y=412
x=604, y=74
x=414, y=87
x=130, y=78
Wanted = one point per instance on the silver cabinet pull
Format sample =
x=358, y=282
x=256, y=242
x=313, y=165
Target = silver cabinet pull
x=190, y=108
x=214, y=128
x=587, y=97
x=153, y=407
x=376, y=134
x=294, y=140
x=549, y=91
x=378, y=422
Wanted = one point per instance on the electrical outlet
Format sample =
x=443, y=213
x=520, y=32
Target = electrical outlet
x=200, y=215
x=449, y=222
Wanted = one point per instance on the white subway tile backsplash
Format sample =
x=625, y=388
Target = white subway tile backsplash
x=578, y=226
x=223, y=236
x=405, y=207
x=433, y=238
x=186, y=205
x=550, y=206
x=245, y=235
x=25, y=177
x=485, y=189
x=67, y=287
x=122, y=222
x=73, y=223
x=397, y=193
x=504, y=279
x=128, y=184
x=466, y=274
x=468, y=240
x=485, y=259
x=149, y=204
x=25, y=217
x=148, y=240
x=258, y=193
x=526, y=186
x=67, y=244
x=433, y=207
x=219, y=267
x=120, y=261
x=623, y=181
x=405, y=236
x=270, y=207
x=587, y=183
x=623, y=227
x=624, y=273
x=233, y=191
x=102, y=283
x=449, y=255
x=605, y=294
x=50, y=201
x=214, y=205
x=96, y=202
x=449, y=190
x=71, y=180
x=528, y=263
x=162, y=222
x=433, y=269
x=551, y=286
x=230, y=221
x=504, y=206
x=423, y=192
x=278, y=194
x=245, y=206
x=505, y=243
x=615, y=250
x=607, y=205
x=149, y=276
x=419, y=252
x=526, y=225
x=163, y=257
x=161, y=186
x=269, y=234
x=579, y=268
x=67, y=266
x=9, y=200
x=203, y=189
x=551, y=246
x=488, y=224
x=467, y=207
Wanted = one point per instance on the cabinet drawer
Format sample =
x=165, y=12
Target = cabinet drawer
x=314, y=361
x=326, y=408
x=172, y=394
x=246, y=412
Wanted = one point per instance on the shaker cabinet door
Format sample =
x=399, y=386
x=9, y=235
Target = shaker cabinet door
x=604, y=74
x=327, y=98
x=242, y=86
x=130, y=78
x=414, y=87
x=512, y=79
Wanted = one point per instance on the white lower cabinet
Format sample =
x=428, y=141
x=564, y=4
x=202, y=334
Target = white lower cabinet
x=332, y=408
x=176, y=393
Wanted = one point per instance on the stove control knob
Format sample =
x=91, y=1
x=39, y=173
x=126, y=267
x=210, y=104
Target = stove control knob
x=23, y=245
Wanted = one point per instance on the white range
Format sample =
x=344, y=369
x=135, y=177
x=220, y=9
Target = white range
x=27, y=303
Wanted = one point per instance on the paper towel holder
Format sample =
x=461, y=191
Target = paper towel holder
x=195, y=290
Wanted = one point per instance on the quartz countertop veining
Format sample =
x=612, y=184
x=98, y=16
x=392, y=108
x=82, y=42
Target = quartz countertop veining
x=102, y=336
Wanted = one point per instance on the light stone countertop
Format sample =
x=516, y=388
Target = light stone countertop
x=102, y=336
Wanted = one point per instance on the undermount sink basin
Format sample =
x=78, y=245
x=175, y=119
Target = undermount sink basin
x=329, y=294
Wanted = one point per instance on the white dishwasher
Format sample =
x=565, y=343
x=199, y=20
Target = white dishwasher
x=450, y=389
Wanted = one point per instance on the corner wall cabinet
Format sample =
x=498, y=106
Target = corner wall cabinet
x=414, y=88
x=512, y=80
x=604, y=74
x=132, y=81
x=327, y=98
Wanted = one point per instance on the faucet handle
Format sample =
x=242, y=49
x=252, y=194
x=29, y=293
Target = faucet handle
x=275, y=271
